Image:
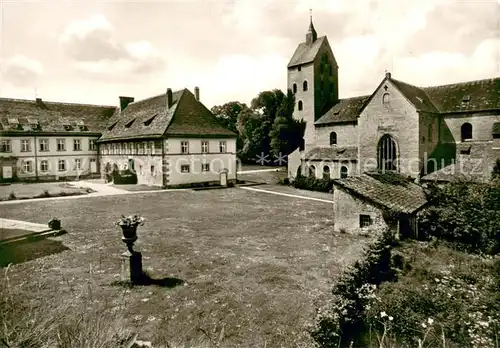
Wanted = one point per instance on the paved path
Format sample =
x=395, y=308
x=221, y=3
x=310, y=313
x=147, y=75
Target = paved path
x=258, y=171
x=294, y=193
x=102, y=189
x=22, y=225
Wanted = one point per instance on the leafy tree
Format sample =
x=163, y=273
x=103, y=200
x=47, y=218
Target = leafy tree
x=286, y=132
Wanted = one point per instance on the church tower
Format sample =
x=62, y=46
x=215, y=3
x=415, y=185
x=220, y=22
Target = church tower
x=313, y=78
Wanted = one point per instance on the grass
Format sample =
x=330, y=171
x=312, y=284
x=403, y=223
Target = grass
x=39, y=190
x=255, y=267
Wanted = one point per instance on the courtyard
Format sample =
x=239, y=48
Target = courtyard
x=243, y=268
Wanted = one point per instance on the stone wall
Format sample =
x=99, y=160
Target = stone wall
x=400, y=120
x=347, y=134
x=347, y=210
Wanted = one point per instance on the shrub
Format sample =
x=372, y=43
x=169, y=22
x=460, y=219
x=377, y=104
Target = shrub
x=465, y=214
x=313, y=184
x=12, y=196
x=125, y=177
x=342, y=320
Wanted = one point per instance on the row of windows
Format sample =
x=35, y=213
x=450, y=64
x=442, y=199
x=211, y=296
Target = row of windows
x=136, y=148
x=304, y=87
x=344, y=172
x=204, y=146
x=27, y=166
x=43, y=145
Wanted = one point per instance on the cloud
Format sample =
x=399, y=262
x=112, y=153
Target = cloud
x=22, y=71
x=435, y=68
x=91, y=43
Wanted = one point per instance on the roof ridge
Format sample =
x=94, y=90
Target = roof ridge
x=55, y=102
x=156, y=96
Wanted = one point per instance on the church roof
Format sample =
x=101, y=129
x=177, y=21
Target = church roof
x=152, y=118
x=453, y=98
x=334, y=153
x=346, y=110
x=306, y=53
x=387, y=190
x=466, y=96
x=42, y=117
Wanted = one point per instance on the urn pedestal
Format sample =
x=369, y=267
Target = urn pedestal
x=131, y=260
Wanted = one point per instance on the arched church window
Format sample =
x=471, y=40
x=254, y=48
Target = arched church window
x=386, y=99
x=387, y=154
x=333, y=138
x=300, y=106
x=466, y=131
x=299, y=68
x=312, y=171
x=326, y=172
x=304, y=86
x=294, y=88
x=344, y=172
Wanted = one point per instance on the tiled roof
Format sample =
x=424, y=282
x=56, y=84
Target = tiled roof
x=496, y=128
x=416, y=95
x=346, y=110
x=481, y=95
x=306, y=53
x=333, y=153
x=52, y=117
x=152, y=118
x=458, y=97
x=388, y=190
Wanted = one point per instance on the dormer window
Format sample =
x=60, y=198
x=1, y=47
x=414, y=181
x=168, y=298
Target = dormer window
x=82, y=125
x=148, y=122
x=67, y=127
x=111, y=126
x=13, y=122
x=466, y=99
x=33, y=123
x=130, y=123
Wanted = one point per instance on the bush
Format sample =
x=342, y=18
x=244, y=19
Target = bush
x=343, y=319
x=465, y=214
x=452, y=302
x=125, y=177
x=12, y=196
x=313, y=184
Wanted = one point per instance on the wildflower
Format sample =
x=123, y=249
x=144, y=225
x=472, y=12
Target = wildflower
x=483, y=323
x=390, y=318
x=424, y=325
x=383, y=314
x=430, y=321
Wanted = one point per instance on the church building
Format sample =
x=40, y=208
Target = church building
x=420, y=133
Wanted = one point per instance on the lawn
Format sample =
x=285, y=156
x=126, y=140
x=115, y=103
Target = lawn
x=31, y=190
x=255, y=265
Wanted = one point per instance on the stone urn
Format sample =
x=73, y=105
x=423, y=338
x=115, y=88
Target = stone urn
x=129, y=230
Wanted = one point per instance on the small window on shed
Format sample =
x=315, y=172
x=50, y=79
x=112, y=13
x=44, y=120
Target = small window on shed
x=365, y=220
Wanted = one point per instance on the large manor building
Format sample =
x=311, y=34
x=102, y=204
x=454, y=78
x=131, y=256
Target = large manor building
x=168, y=140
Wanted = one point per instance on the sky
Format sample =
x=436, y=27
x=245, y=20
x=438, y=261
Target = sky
x=94, y=51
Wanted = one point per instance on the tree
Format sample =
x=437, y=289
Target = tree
x=286, y=133
x=228, y=113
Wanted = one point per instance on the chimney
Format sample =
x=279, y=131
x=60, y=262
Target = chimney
x=387, y=74
x=124, y=101
x=169, y=98
x=197, y=93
